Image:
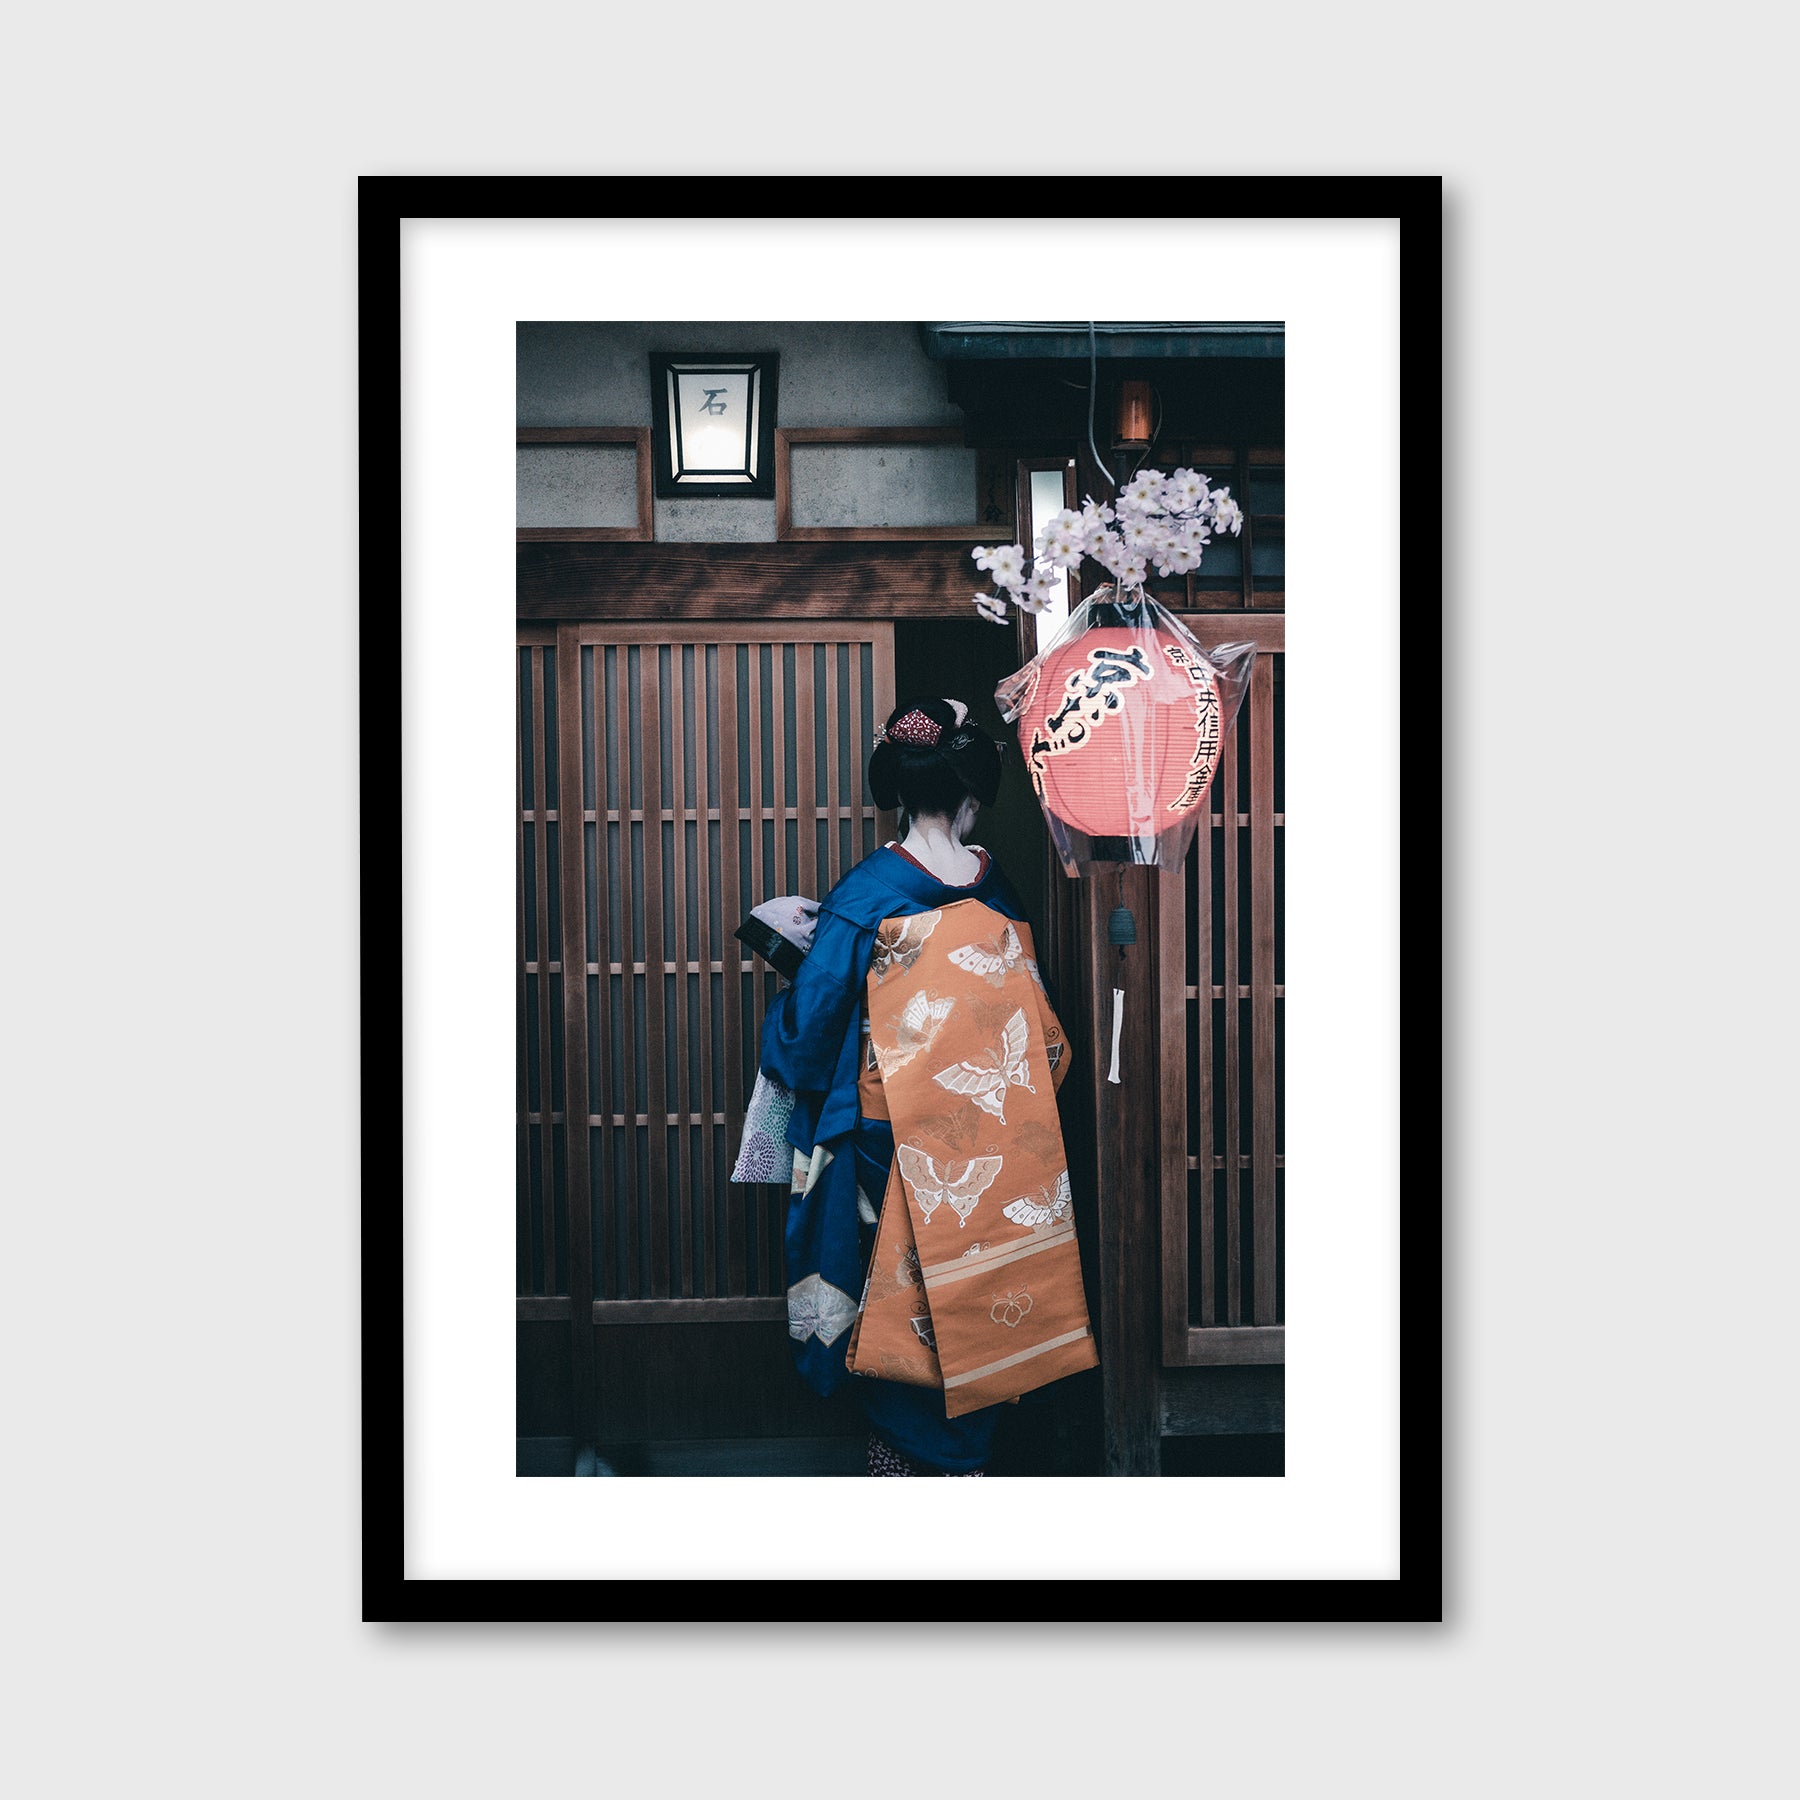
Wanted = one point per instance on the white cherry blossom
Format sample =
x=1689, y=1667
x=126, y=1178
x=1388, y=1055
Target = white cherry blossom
x=1144, y=491
x=1184, y=491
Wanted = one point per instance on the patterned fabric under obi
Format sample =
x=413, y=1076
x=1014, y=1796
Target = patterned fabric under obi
x=765, y=1154
x=975, y=1282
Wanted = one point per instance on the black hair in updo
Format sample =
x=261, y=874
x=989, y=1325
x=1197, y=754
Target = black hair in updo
x=932, y=781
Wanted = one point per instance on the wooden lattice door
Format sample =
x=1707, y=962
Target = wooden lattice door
x=711, y=767
x=1223, y=997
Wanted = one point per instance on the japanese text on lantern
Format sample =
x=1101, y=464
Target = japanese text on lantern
x=1206, y=726
x=1092, y=693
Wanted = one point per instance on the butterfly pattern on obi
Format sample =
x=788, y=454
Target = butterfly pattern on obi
x=986, y=1082
x=899, y=941
x=993, y=957
x=918, y=1025
x=1050, y=1206
x=921, y=1325
x=959, y=1184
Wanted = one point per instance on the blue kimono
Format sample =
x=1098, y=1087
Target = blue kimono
x=812, y=1044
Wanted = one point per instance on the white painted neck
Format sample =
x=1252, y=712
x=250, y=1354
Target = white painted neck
x=938, y=844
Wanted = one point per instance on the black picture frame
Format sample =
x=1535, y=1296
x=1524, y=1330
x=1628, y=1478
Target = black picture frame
x=759, y=434
x=1416, y=202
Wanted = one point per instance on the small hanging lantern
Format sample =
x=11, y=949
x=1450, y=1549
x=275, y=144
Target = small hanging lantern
x=1134, y=415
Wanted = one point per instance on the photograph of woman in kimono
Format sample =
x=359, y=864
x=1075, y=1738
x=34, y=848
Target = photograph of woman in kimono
x=939, y=768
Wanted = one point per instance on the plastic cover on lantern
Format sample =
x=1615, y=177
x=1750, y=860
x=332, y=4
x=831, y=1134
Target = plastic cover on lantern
x=1122, y=720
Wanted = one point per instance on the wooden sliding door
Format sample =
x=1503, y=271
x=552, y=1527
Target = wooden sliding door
x=670, y=778
x=1223, y=997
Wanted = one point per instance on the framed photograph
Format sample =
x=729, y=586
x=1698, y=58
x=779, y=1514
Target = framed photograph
x=858, y=1041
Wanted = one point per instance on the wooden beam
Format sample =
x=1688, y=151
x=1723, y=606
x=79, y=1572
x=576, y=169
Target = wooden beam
x=1228, y=1402
x=679, y=1312
x=1236, y=1344
x=594, y=581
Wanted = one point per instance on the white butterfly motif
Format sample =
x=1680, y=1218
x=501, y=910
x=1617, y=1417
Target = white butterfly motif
x=918, y=1024
x=900, y=941
x=1055, y=1204
x=922, y=1327
x=986, y=1083
x=993, y=957
x=961, y=1185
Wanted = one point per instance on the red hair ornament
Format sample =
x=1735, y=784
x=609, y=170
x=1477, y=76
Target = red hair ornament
x=1122, y=721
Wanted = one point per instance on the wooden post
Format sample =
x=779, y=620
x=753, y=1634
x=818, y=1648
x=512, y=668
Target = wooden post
x=1127, y=1173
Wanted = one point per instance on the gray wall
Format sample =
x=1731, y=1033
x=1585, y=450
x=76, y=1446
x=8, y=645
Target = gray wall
x=842, y=374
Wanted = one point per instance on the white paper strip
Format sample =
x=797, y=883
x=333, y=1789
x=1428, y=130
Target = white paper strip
x=1112, y=1074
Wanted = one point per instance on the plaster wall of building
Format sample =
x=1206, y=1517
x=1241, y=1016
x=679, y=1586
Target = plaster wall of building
x=598, y=373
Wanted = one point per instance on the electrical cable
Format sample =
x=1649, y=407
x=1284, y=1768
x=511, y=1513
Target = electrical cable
x=1093, y=383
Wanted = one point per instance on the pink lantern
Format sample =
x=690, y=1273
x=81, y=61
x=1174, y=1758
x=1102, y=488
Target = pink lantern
x=1122, y=722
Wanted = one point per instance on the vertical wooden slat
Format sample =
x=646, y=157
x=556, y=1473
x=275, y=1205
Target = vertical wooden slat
x=1172, y=1080
x=540, y=807
x=706, y=795
x=806, y=759
x=681, y=1176
x=861, y=731
x=1240, y=491
x=833, y=796
x=1225, y=787
x=522, y=806
x=882, y=657
x=629, y=949
x=769, y=1213
x=760, y=890
x=731, y=956
x=1204, y=1051
x=656, y=1083
x=606, y=951
x=571, y=757
x=1262, y=987
x=758, y=799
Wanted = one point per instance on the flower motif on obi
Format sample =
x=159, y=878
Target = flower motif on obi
x=986, y=1082
x=1009, y=1309
x=817, y=1309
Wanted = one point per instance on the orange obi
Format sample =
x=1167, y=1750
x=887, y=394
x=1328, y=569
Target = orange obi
x=975, y=1281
